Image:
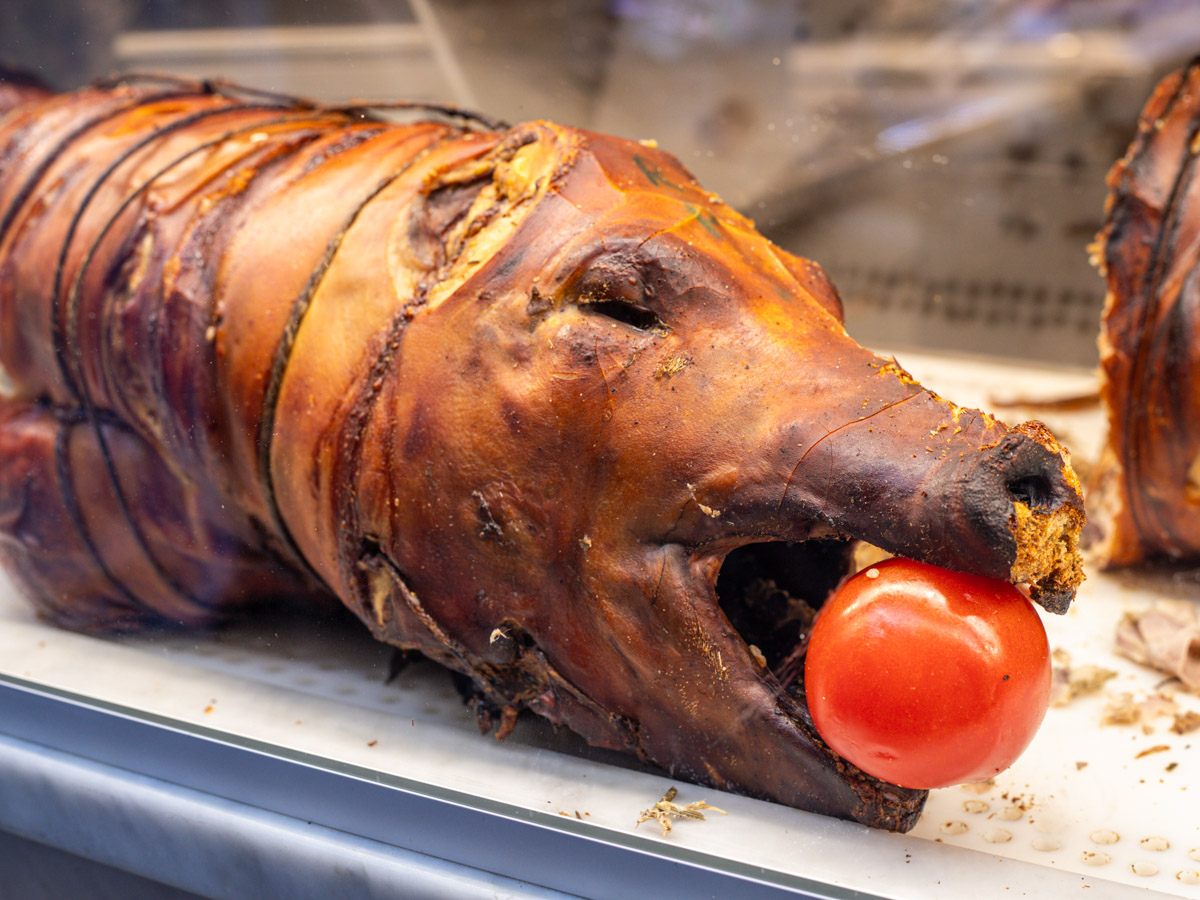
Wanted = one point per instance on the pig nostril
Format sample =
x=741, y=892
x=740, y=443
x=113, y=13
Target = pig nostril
x=1032, y=490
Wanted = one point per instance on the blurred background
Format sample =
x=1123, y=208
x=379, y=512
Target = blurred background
x=943, y=159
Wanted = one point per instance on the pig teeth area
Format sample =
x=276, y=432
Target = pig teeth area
x=770, y=593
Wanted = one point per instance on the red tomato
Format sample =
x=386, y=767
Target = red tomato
x=926, y=677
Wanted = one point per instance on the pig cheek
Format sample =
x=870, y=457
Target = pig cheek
x=699, y=418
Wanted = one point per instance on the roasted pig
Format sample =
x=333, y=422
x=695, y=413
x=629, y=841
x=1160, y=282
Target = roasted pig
x=526, y=399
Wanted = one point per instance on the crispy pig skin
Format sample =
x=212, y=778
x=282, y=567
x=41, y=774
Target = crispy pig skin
x=1144, y=502
x=509, y=394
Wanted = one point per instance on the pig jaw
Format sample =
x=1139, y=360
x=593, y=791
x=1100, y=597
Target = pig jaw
x=712, y=709
x=658, y=671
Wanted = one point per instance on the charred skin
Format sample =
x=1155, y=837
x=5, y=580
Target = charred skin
x=1146, y=498
x=512, y=396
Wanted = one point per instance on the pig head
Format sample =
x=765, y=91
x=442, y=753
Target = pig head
x=613, y=457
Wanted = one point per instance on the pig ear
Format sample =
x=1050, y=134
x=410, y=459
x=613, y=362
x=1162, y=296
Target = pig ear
x=813, y=282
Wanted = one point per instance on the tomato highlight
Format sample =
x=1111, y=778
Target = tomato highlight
x=925, y=677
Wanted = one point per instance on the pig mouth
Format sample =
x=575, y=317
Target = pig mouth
x=770, y=589
x=770, y=593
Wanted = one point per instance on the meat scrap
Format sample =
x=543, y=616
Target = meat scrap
x=1068, y=681
x=1125, y=709
x=1121, y=710
x=1186, y=722
x=1166, y=637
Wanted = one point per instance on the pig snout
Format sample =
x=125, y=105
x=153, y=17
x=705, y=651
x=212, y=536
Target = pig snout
x=955, y=488
x=857, y=449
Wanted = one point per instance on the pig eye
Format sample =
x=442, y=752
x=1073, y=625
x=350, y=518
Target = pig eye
x=625, y=312
x=613, y=286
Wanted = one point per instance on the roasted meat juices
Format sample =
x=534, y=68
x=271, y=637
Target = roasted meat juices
x=527, y=400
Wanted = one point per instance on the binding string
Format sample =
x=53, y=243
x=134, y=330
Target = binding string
x=299, y=117
x=287, y=341
x=27, y=187
x=363, y=108
x=62, y=341
x=64, y=327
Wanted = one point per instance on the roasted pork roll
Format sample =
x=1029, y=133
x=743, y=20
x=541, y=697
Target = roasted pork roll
x=1144, y=504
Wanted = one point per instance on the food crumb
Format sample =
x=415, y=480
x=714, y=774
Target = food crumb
x=666, y=809
x=372, y=743
x=1157, y=748
x=1068, y=682
x=1081, y=765
x=1186, y=722
x=1021, y=801
x=979, y=787
x=1121, y=710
